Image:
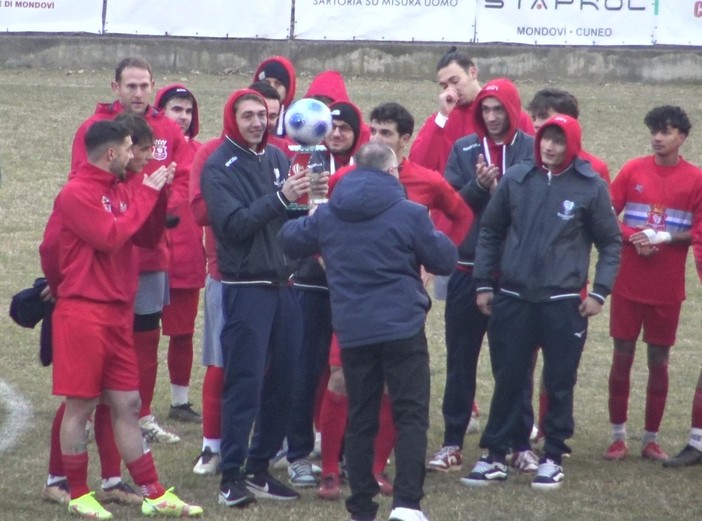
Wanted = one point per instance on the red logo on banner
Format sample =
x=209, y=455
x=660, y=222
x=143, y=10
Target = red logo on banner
x=697, y=10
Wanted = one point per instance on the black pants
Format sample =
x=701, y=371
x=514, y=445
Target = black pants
x=465, y=329
x=515, y=329
x=404, y=366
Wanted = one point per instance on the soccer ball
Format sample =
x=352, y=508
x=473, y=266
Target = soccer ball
x=308, y=121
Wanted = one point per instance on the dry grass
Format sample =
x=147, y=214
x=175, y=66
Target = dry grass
x=39, y=111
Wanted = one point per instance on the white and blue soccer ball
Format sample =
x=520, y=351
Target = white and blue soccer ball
x=308, y=121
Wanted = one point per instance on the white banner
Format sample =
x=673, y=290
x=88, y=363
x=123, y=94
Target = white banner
x=679, y=23
x=385, y=20
x=211, y=18
x=54, y=16
x=567, y=22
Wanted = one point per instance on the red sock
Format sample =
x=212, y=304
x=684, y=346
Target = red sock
x=385, y=439
x=543, y=407
x=212, y=402
x=619, y=375
x=55, y=460
x=110, y=461
x=319, y=396
x=146, y=346
x=656, y=394
x=332, y=423
x=180, y=359
x=697, y=409
x=76, y=468
x=143, y=472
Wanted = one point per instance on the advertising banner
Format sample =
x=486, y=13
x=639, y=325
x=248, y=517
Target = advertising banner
x=567, y=22
x=385, y=20
x=54, y=16
x=212, y=18
x=679, y=23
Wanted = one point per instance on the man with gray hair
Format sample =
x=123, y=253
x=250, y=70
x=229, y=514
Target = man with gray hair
x=379, y=307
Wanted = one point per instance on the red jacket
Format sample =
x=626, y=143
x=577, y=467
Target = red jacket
x=430, y=189
x=169, y=145
x=99, y=221
x=186, y=268
x=198, y=206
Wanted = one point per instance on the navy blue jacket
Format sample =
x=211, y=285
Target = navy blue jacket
x=373, y=242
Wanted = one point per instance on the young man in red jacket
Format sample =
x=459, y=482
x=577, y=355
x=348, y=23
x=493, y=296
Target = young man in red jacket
x=186, y=269
x=133, y=87
x=101, y=221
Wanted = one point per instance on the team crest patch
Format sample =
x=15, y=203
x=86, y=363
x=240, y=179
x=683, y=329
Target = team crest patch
x=160, y=151
x=567, y=210
x=106, y=203
x=655, y=218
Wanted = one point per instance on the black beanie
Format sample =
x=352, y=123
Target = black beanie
x=172, y=93
x=277, y=70
x=345, y=112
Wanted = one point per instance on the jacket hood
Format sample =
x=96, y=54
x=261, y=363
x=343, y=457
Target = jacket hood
x=573, y=136
x=231, y=129
x=505, y=91
x=351, y=114
x=282, y=69
x=364, y=193
x=329, y=84
x=166, y=93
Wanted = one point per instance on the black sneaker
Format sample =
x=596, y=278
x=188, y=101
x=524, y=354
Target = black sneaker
x=235, y=494
x=685, y=458
x=185, y=413
x=486, y=472
x=264, y=485
x=549, y=476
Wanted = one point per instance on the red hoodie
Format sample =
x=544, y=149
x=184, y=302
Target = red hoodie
x=508, y=95
x=432, y=146
x=186, y=268
x=573, y=136
x=98, y=218
x=169, y=145
x=285, y=65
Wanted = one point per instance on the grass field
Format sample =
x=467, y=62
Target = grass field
x=39, y=112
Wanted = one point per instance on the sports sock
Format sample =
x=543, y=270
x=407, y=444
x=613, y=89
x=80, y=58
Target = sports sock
x=332, y=423
x=619, y=431
x=76, y=469
x=55, y=460
x=111, y=482
x=649, y=437
x=146, y=346
x=696, y=422
x=214, y=444
x=179, y=394
x=143, y=472
x=110, y=461
x=212, y=402
x=385, y=439
x=656, y=394
x=619, y=376
x=695, y=438
x=180, y=362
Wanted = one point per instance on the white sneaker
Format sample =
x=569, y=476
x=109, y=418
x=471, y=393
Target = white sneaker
x=207, y=463
x=407, y=514
x=549, y=476
x=154, y=433
x=447, y=458
x=525, y=461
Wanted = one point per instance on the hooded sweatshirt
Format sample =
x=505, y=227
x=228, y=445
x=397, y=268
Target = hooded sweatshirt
x=329, y=84
x=373, y=242
x=282, y=69
x=186, y=268
x=242, y=190
x=539, y=228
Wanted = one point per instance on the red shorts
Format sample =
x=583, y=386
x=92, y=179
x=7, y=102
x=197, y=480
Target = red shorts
x=93, y=348
x=335, y=352
x=179, y=315
x=659, y=322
